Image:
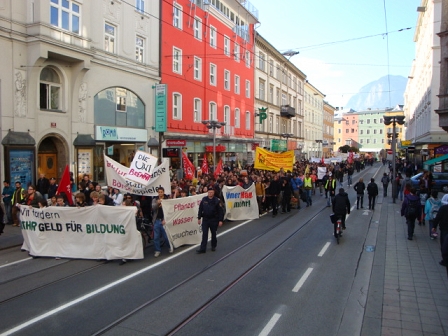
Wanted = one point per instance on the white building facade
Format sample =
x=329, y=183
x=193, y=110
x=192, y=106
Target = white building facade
x=314, y=121
x=77, y=82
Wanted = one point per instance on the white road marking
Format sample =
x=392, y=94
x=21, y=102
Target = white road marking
x=102, y=289
x=324, y=249
x=267, y=329
x=15, y=262
x=302, y=280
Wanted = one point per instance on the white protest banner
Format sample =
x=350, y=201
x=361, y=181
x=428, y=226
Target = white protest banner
x=116, y=177
x=96, y=232
x=142, y=168
x=321, y=171
x=181, y=217
x=241, y=203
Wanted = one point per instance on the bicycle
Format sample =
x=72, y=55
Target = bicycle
x=338, y=228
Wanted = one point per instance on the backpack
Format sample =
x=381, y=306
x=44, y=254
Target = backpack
x=435, y=206
x=385, y=180
x=412, y=208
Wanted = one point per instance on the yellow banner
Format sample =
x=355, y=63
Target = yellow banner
x=406, y=143
x=267, y=160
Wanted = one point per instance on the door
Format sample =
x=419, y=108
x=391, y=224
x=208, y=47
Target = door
x=47, y=164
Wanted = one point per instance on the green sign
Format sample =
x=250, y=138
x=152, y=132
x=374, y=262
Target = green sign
x=278, y=145
x=262, y=114
x=160, y=108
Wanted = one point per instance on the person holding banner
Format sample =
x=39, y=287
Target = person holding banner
x=212, y=215
x=159, y=222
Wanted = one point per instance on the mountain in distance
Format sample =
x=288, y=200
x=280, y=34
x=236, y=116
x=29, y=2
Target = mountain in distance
x=375, y=94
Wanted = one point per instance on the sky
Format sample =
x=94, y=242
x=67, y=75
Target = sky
x=316, y=28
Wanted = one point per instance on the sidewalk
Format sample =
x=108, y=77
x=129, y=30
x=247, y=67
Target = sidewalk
x=408, y=292
x=11, y=236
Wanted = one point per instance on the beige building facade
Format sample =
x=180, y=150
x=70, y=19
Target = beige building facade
x=328, y=130
x=314, y=121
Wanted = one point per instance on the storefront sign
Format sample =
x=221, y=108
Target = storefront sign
x=441, y=150
x=278, y=145
x=160, y=108
x=219, y=148
x=110, y=133
x=176, y=143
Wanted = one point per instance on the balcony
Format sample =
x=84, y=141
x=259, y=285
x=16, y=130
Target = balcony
x=287, y=111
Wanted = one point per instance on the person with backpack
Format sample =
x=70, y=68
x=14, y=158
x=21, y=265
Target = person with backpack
x=411, y=210
x=385, y=181
x=372, y=191
x=360, y=187
x=432, y=207
x=296, y=184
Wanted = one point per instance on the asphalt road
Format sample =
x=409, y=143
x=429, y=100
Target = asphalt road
x=276, y=276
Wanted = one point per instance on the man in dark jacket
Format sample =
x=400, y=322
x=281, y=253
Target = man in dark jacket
x=411, y=209
x=212, y=215
x=372, y=191
x=42, y=185
x=341, y=207
x=272, y=193
x=441, y=220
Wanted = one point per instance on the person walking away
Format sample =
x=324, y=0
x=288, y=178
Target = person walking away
x=17, y=198
x=330, y=188
x=212, y=215
x=432, y=207
x=274, y=191
x=441, y=221
x=405, y=181
x=296, y=184
x=7, y=193
x=385, y=181
x=341, y=207
x=350, y=172
x=159, y=222
x=287, y=192
x=323, y=182
x=308, y=186
x=360, y=187
x=411, y=210
x=372, y=191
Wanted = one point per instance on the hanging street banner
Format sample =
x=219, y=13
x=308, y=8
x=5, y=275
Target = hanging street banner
x=142, y=168
x=266, y=160
x=241, y=204
x=160, y=108
x=181, y=217
x=116, y=177
x=95, y=232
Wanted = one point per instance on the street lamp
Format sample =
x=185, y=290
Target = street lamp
x=213, y=124
x=387, y=121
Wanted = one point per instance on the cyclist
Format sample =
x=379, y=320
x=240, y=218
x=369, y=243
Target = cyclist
x=341, y=207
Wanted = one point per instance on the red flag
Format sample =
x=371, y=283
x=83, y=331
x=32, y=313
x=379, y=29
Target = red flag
x=204, y=167
x=218, y=169
x=188, y=167
x=350, y=157
x=323, y=160
x=64, y=185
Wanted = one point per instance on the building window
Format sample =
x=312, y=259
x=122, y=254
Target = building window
x=247, y=88
x=248, y=120
x=368, y=141
x=212, y=74
x=120, y=100
x=374, y=141
x=361, y=132
x=382, y=141
x=50, y=89
x=346, y=131
x=339, y=131
x=212, y=37
x=353, y=122
x=374, y=120
x=271, y=94
x=261, y=61
x=177, y=60
x=197, y=28
x=177, y=16
x=226, y=46
x=247, y=59
x=227, y=80
x=353, y=130
x=381, y=120
x=361, y=141
x=139, y=49
x=236, y=53
x=212, y=111
x=177, y=106
x=109, y=38
x=381, y=131
x=197, y=68
x=237, y=118
x=361, y=122
x=140, y=5
x=65, y=14
x=197, y=108
x=227, y=115
x=261, y=89
x=374, y=131
x=237, y=84
x=368, y=121
x=368, y=132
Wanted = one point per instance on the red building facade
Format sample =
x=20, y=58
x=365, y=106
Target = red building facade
x=207, y=62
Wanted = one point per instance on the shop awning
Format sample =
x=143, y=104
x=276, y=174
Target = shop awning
x=84, y=140
x=18, y=139
x=435, y=160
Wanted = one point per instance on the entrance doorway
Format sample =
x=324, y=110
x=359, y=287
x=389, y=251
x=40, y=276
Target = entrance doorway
x=47, y=164
x=52, y=156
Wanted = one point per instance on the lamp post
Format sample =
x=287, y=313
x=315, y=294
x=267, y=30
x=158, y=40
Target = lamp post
x=287, y=136
x=213, y=124
x=387, y=121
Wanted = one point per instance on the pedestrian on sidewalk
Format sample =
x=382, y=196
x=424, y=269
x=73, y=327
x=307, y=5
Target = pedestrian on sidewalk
x=7, y=193
x=372, y=191
x=441, y=220
x=360, y=187
x=411, y=210
x=432, y=207
x=385, y=181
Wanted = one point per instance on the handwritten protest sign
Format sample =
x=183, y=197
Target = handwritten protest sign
x=142, y=167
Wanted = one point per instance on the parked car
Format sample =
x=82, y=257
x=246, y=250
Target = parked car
x=440, y=181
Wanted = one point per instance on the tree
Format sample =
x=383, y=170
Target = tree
x=347, y=148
